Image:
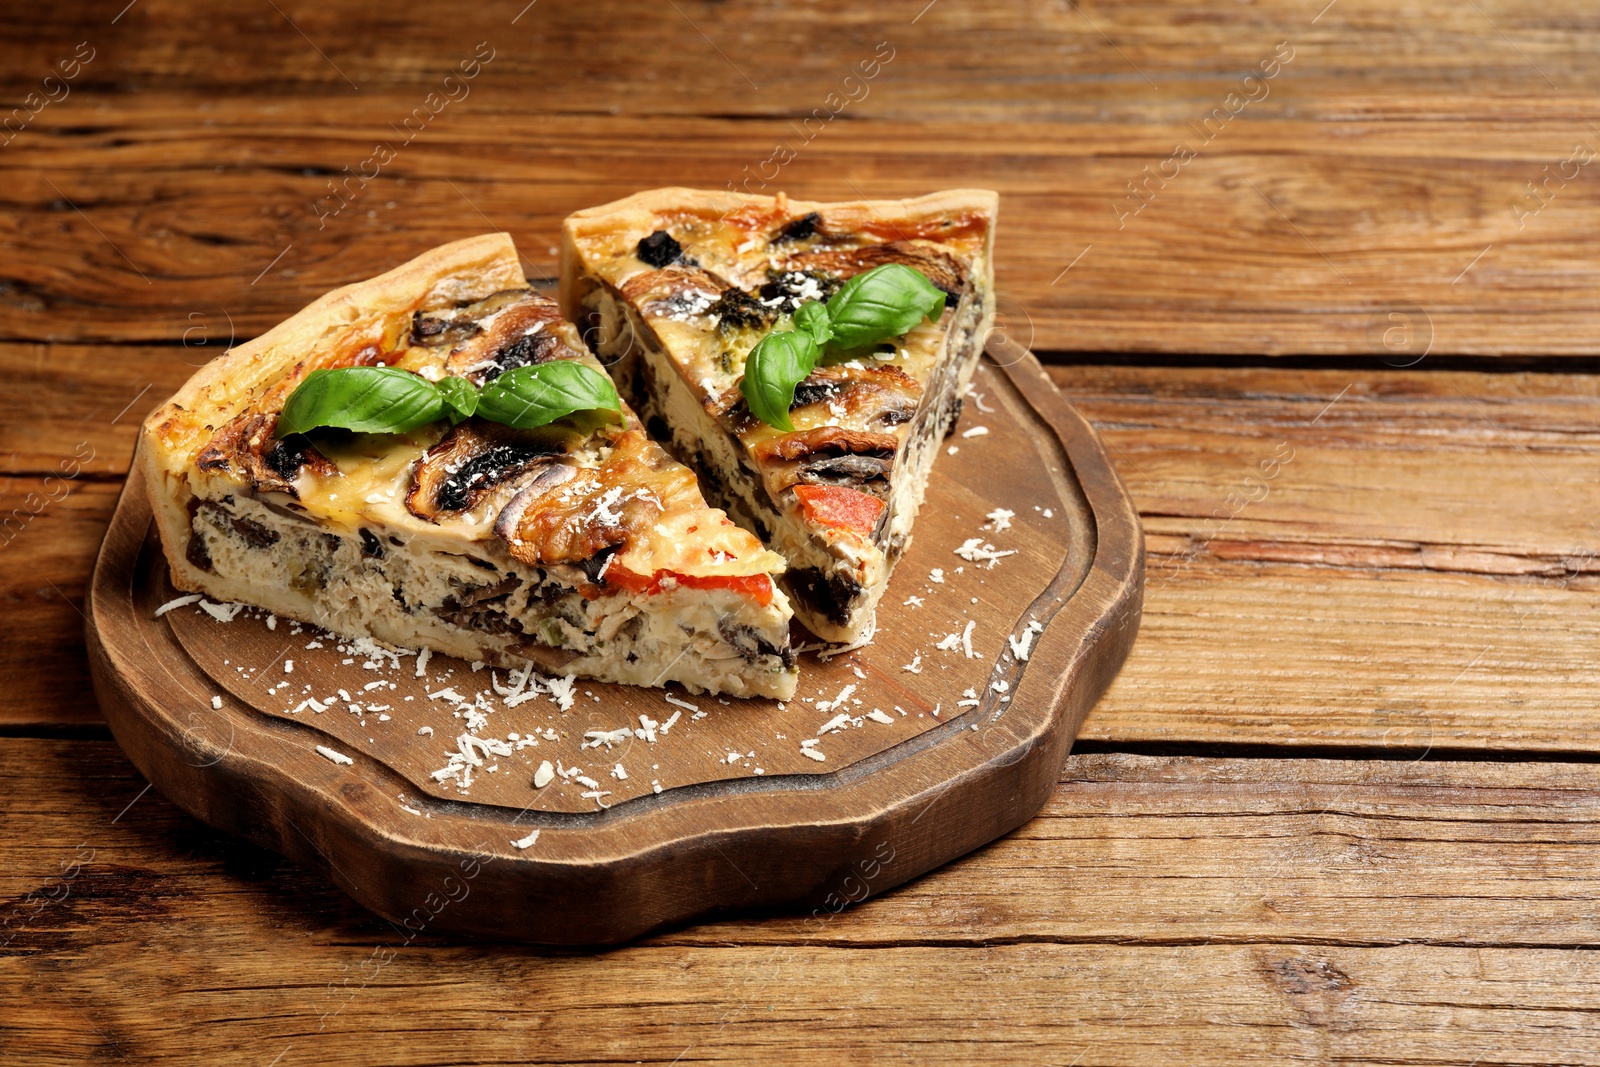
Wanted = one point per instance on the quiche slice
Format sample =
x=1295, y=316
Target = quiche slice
x=674, y=287
x=579, y=546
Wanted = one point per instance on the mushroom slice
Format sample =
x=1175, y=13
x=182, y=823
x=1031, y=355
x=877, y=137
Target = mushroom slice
x=554, y=474
x=517, y=334
x=942, y=269
x=675, y=292
x=248, y=450
x=457, y=326
x=592, y=509
x=885, y=395
x=829, y=455
x=471, y=461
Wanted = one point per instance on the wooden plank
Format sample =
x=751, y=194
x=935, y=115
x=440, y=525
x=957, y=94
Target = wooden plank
x=1208, y=911
x=1375, y=596
x=1385, y=167
x=44, y=669
x=1399, y=559
x=1011, y=57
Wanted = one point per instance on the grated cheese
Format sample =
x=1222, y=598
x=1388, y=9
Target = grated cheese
x=1000, y=519
x=596, y=738
x=226, y=612
x=684, y=704
x=1021, y=646
x=844, y=694
x=526, y=842
x=180, y=602
x=975, y=550
x=838, y=722
x=561, y=691
x=334, y=757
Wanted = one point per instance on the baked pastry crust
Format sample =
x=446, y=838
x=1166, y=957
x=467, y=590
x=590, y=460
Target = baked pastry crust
x=675, y=286
x=580, y=547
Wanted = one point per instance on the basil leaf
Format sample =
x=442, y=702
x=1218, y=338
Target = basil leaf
x=460, y=395
x=812, y=317
x=363, y=399
x=537, y=395
x=882, y=303
x=778, y=363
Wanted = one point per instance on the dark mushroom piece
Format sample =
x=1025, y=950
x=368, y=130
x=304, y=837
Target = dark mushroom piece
x=247, y=448
x=798, y=229
x=659, y=249
x=472, y=460
x=832, y=455
x=587, y=511
x=885, y=395
x=941, y=269
x=506, y=526
x=456, y=326
x=786, y=290
x=518, y=330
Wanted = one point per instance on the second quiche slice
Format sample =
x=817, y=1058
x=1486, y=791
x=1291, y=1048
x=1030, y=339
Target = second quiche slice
x=579, y=546
x=675, y=287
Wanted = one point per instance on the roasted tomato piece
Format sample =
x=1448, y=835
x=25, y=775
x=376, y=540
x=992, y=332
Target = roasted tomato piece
x=835, y=505
x=757, y=587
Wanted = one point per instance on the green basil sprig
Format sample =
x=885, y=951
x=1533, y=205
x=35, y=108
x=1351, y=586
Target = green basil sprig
x=884, y=302
x=527, y=397
x=364, y=399
x=390, y=400
x=460, y=395
x=874, y=306
x=779, y=362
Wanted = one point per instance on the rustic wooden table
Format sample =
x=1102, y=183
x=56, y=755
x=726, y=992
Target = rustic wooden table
x=1341, y=804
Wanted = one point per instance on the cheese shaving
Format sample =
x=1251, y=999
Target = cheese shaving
x=975, y=550
x=180, y=602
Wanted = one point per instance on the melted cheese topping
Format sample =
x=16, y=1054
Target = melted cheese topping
x=375, y=473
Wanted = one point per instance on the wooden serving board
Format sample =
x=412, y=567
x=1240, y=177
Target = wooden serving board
x=927, y=751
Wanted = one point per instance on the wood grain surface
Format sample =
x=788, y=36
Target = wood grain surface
x=1419, y=574
x=1383, y=167
x=1416, y=583
x=1322, y=911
